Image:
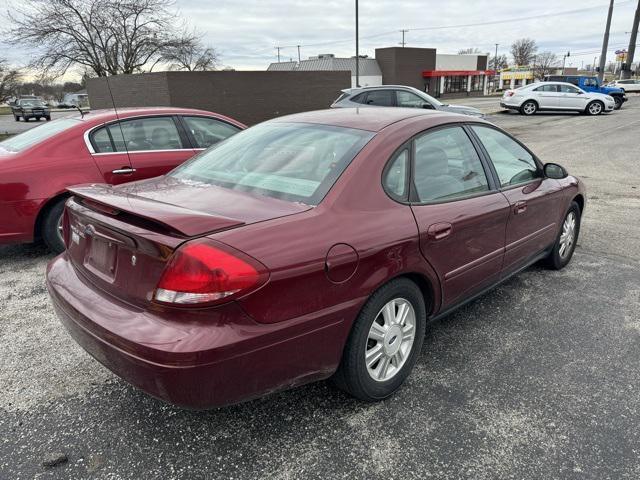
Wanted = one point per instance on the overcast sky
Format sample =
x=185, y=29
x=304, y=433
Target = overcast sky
x=245, y=32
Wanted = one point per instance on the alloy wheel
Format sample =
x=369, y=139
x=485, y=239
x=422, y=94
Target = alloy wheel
x=595, y=108
x=568, y=236
x=390, y=339
x=529, y=108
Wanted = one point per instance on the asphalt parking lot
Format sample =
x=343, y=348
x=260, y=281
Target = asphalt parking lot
x=8, y=125
x=537, y=379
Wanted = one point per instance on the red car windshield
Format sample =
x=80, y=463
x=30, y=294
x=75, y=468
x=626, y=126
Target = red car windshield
x=290, y=161
x=29, y=138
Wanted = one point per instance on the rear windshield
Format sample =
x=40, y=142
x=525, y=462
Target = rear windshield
x=290, y=161
x=38, y=134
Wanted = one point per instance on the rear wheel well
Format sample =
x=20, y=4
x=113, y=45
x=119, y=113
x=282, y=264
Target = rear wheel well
x=425, y=287
x=37, y=229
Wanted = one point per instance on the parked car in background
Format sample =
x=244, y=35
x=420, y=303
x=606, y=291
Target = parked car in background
x=37, y=166
x=397, y=96
x=311, y=245
x=535, y=97
x=629, y=85
x=591, y=85
x=28, y=108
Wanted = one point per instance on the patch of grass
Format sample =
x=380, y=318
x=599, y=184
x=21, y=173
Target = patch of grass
x=5, y=110
x=4, y=136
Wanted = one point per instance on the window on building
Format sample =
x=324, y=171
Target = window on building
x=455, y=84
x=477, y=83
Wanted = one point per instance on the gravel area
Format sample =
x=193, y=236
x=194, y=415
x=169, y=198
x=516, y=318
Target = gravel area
x=536, y=379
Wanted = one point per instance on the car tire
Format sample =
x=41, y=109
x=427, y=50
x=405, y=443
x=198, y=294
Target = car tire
x=528, y=108
x=17, y=118
x=618, y=104
x=51, y=223
x=566, y=240
x=48, y=118
x=594, y=108
x=397, y=345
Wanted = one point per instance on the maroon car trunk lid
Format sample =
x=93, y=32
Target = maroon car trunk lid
x=120, y=239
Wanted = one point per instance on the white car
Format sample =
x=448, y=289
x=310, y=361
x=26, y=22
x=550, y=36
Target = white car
x=627, y=85
x=556, y=96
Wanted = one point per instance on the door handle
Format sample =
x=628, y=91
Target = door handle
x=123, y=171
x=438, y=231
x=520, y=207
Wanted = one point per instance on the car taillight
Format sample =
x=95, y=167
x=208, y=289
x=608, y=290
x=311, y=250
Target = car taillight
x=66, y=228
x=206, y=272
x=509, y=93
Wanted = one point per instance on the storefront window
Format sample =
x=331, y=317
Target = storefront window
x=455, y=84
x=477, y=83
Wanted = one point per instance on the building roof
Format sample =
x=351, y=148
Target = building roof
x=367, y=66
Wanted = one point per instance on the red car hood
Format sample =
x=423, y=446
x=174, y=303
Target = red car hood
x=190, y=208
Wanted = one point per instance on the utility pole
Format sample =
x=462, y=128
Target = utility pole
x=495, y=59
x=298, y=53
x=278, y=49
x=358, y=49
x=605, y=43
x=626, y=73
x=564, y=60
x=403, y=43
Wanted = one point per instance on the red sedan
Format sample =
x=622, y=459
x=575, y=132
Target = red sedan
x=37, y=166
x=312, y=245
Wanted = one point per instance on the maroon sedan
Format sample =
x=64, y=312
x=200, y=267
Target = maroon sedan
x=37, y=166
x=308, y=246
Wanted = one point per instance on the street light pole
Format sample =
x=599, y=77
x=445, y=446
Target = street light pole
x=632, y=43
x=358, y=50
x=605, y=43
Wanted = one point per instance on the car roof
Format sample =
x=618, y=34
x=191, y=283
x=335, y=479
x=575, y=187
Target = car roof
x=378, y=87
x=372, y=119
x=106, y=115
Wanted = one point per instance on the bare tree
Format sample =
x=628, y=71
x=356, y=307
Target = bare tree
x=545, y=63
x=9, y=81
x=523, y=51
x=106, y=37
x=469, y=51
x=498, y=63
x=191, y=56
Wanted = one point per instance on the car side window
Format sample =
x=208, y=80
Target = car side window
x=410, y=100
x=382, y=98
x=360, y=98
x=447, y=166
x=547, y=88
x=590, y=82
x=101, y=140
x=149, y=133
x=568, y=89
x=208, y=131
x=574, y=80
x=513, y=163
x=395, y=176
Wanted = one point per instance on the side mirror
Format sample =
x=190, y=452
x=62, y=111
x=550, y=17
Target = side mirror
x=555, y=171
x=428, y=106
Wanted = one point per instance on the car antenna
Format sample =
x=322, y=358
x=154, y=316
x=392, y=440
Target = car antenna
x=115, y=109
x=80, y=110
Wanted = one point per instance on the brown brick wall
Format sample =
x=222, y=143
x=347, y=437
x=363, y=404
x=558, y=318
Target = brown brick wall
x=404, y=66
x=249, y=97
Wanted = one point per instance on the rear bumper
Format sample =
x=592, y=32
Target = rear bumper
x=199, y=358
x=506, y=105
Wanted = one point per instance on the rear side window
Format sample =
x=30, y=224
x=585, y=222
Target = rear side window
x=395, y=181
x=568, y=89
x=360, y=98
x=138, y=134
x=410, y=100
x=447, y=166
x=208, y=131
x=381, y=98
x=547, y=88
x=513, y=163
x=574, y=80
